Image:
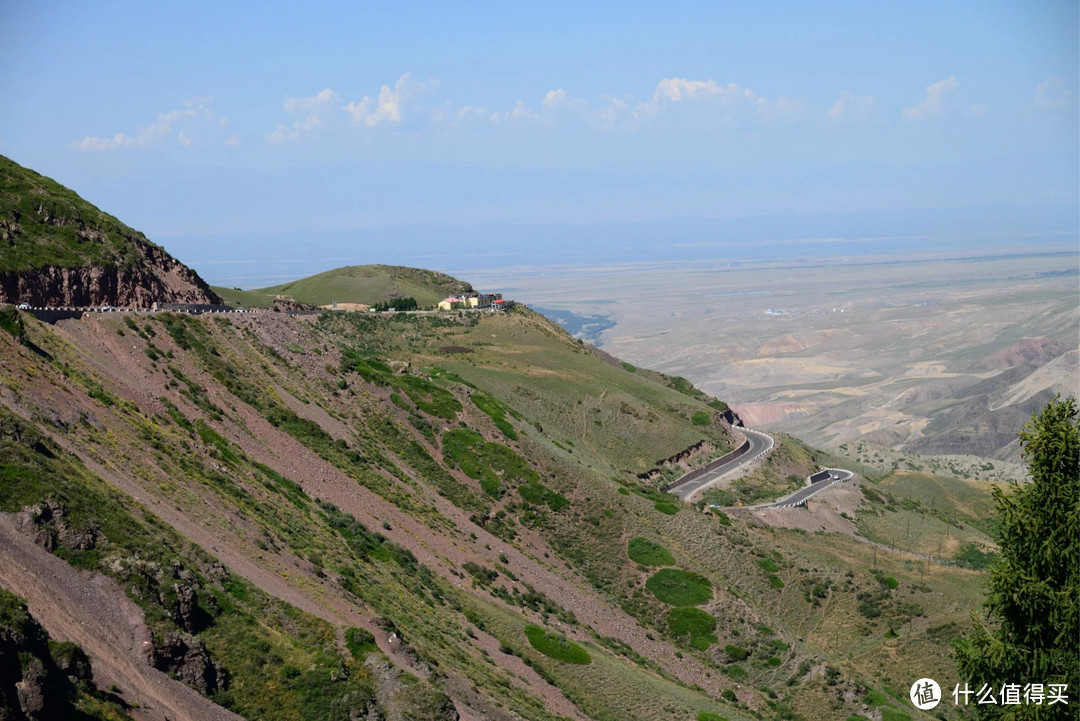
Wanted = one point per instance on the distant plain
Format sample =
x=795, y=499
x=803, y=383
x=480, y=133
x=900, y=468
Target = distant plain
x=935, y=354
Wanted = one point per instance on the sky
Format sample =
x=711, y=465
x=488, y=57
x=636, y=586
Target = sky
x=265, y=141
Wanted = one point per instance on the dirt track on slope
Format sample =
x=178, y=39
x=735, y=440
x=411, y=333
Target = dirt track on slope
x=93, y=611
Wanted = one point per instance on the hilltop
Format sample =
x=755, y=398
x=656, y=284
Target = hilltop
x=357, y=284
x=56, y=249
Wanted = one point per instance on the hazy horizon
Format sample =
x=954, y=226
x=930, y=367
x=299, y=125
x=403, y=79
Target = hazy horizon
x=261, y=144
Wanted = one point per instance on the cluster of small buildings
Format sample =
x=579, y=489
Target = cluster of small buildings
x=494, y=301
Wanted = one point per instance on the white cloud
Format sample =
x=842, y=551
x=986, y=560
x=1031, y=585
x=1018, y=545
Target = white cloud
x=560, y=99
x=93, y=142
x=471, y=111
x=196, y=113
x=467, y=115
x=785, y=108
x=311, y=107
x=851, y=108
x=678, y=89
x=520, y=112
x=292, y=132
x=1053, y=95
x=391, y=105
x=305, y=105
x=732, y=102
x=936, y=101
x=612, y=114
x=233, y=140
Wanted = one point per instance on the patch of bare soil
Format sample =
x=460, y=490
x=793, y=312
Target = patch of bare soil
x=93, y=611
x=821, y=514
x=527, y=678
x=1028, y=350
x=757, y=415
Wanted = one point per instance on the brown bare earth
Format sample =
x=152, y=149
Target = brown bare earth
x=93, y=611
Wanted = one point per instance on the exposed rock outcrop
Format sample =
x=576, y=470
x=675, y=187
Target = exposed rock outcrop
x=57, y=250
x=683, y=459
x=46, y=523
x=402, y=697
x=37, y=682
x=158, y=277
x=186, y=657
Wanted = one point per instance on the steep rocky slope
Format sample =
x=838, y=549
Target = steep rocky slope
x=266, y=488
x=44, y=679
x=58, y=250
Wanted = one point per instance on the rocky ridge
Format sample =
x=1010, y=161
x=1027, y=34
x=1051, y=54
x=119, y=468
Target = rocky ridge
x=58, y=250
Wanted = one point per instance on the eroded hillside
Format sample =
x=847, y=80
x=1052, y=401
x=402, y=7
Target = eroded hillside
x=422, y=516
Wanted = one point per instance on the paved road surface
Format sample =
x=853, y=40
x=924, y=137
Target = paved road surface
x=800, y=496
x=760, y=443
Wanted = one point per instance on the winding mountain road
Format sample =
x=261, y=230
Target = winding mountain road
x=757, y=445
x=800, y=496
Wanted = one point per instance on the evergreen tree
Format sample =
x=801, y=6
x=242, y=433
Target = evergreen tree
x=1031, y=633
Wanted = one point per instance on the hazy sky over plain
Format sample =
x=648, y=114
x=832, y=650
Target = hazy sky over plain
x=215, y=126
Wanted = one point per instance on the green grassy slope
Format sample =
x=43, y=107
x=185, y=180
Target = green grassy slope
x=367, y=284
x=243, y=298
x=961, y=499
x=471, y=454
x=46, y=224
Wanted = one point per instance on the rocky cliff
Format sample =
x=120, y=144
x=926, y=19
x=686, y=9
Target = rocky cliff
x=58, y=250
x=161, y=278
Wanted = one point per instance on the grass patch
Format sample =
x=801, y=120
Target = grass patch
x=695, y=624
x=493, y=464
x=666, y=507
x=557, y=647
x=428, y=397
x=768, y=565
x=701, y=418
x=679, y=587
x=497, y=411
x=736, y=653
x=973, y=556
x=359, y=642
x=648, y=553
x=539, y=494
